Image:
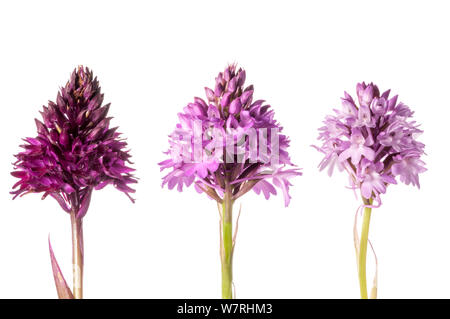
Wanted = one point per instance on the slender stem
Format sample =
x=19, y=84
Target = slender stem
x=77, y=254
x=363, y=249
x=227, y=242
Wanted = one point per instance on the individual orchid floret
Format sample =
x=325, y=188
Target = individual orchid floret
x=226, y=146
x=75, y=152
x=375, y=141
x=359, y=146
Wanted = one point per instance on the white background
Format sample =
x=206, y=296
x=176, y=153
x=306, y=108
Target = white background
x=151, y=60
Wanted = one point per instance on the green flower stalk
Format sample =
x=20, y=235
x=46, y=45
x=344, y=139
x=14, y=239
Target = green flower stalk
x=226, y=255
x=74, y=153
x=374, y=140
x=227, y=146
x=361, y=253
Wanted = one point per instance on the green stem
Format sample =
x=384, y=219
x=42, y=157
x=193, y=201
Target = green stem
x=227, y=246
x=363, y=249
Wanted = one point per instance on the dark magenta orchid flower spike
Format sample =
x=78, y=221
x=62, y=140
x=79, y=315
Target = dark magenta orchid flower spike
x=226, y=146
x=74, y=153
x=374, y=139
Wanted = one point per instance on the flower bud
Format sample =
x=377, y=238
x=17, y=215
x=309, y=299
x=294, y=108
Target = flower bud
x=235, y=106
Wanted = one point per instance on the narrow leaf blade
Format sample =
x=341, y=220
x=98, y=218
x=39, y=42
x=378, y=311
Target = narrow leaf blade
x=62, y=288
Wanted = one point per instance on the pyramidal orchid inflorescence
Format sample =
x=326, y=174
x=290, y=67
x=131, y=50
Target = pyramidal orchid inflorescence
x=75, y=152
x=229, y=140
x=374, y=139
x=227, y=145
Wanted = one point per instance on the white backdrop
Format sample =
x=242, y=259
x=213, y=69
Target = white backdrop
x=151, y=60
